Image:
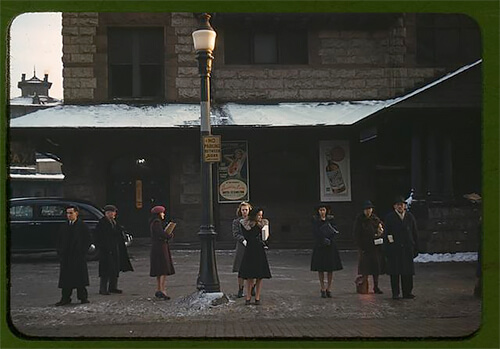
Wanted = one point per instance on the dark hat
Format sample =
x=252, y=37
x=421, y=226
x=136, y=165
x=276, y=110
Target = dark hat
x=367, y=204
x=158, y=209
x=320, y=205
x=398, y=199
x=110, y=208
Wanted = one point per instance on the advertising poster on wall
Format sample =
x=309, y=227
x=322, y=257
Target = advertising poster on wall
x=335, y=171
x=232, y=174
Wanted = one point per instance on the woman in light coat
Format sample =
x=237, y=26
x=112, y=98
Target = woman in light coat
x=241, y=213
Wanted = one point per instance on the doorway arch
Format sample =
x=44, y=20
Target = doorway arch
x=135, y=185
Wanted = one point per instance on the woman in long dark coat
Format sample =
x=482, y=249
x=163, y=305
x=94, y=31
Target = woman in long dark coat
x=368, y=232
x=325, y=256
x=242, y=212
x=254, y=266
x=113, y=255
x=161, y=258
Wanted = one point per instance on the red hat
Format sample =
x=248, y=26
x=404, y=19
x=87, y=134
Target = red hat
x=158, y=209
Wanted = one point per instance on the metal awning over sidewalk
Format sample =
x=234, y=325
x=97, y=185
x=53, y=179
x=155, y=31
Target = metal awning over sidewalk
x=230, y=114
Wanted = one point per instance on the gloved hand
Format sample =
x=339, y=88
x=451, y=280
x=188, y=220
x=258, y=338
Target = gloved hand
x=244, y=243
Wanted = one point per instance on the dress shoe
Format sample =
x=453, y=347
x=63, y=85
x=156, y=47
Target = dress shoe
x=409, y=296
x=115, y=291
x=377, y=291
x=247, y=301
x=105, y=293
x=323, y=294
x=161, y=295
x=84, y=301
x=257, y=302
x=328, y=294
x=240, y=292
x=63, y=302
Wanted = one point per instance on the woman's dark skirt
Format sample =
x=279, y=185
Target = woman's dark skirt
x=326, y=259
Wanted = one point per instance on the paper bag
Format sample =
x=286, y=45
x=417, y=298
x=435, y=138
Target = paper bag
x=265, y=232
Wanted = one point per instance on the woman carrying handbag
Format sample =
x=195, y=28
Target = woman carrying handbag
x=368, y=235
x=325, y=256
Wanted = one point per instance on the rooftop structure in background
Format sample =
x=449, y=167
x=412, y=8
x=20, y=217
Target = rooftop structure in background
x=34, y=96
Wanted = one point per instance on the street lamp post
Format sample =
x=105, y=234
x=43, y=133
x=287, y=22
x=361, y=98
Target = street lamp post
x=204, y=44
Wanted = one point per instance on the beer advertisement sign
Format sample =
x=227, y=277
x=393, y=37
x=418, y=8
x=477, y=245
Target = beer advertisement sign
x=335, y=171
x=232, y=174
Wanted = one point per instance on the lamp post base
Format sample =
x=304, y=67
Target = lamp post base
x=208, y=280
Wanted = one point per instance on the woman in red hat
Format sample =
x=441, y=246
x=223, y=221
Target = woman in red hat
x=161, y=258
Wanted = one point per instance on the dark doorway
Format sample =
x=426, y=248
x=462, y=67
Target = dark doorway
x=136, y=184
x=391, y=183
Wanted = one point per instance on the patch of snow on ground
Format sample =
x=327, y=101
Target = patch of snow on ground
x=199, y=301
x=446, y=257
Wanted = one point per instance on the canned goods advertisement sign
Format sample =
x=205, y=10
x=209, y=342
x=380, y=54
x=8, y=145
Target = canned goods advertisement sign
x=335, y=171
x=232, y=174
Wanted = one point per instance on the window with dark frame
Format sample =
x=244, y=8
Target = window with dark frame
x=244, y=45
x=135, y=62
x=447, y=39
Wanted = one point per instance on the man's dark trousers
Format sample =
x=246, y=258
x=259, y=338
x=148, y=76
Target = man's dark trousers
x=406, y=284
x=81, y=293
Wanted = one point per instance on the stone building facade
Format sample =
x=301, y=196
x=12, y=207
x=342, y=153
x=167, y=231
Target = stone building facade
x=365, y=61
x=269, y=59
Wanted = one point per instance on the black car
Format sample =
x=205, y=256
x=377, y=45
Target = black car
x=35, y=223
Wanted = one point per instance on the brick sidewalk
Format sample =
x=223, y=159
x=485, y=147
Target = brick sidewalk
x=318, y=328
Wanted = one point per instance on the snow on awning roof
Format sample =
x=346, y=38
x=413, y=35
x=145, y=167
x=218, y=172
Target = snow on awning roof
x=231, y=114
x=302, y=114
x=188, y=115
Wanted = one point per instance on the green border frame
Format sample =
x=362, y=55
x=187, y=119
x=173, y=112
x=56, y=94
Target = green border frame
x=485, y=12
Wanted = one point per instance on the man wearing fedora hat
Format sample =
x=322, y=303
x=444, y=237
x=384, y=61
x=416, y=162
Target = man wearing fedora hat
x=401, y=246
x=113, y=256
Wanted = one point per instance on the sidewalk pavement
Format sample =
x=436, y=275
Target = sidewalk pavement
x=291, y=307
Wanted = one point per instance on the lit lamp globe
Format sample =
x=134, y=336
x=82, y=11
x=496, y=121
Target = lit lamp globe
x=204, y=37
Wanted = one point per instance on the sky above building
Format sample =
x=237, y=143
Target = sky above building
x=36, y=44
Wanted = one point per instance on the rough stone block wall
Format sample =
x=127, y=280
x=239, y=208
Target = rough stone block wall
x=344, y=65
x=79, y=31
x=312, y=84
x=187, y=81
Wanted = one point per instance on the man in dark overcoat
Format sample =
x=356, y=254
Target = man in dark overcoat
x=401, y=246
x=113, y=256
x=73, y=245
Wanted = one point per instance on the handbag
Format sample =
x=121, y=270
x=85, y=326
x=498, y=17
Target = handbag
x=361, y=284
x=328, y=230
